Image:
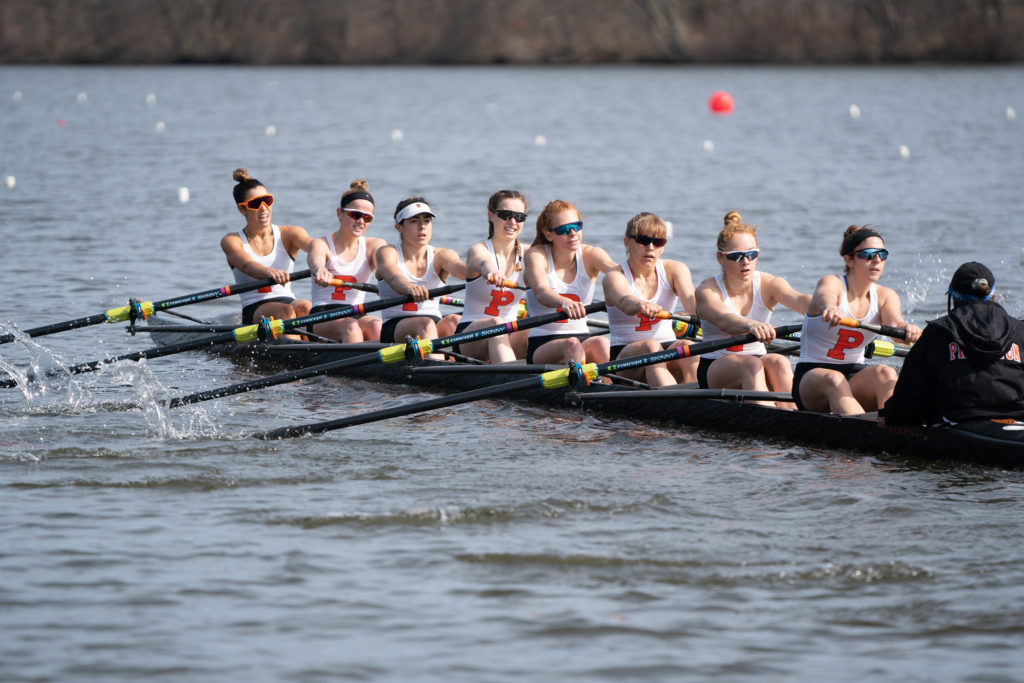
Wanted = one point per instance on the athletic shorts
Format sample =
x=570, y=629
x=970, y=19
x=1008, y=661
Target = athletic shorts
x=534, y=343
x=248, y=311
x=387, y=330
x=848, y=370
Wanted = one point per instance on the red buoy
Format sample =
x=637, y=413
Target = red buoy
x=720, y=102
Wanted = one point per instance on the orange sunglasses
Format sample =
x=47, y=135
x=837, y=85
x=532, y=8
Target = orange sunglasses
x=255, y=203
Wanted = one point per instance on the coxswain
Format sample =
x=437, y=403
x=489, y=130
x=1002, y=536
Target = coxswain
x=967, y=364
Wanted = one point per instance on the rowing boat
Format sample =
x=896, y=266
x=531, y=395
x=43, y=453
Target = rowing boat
x=986, y=441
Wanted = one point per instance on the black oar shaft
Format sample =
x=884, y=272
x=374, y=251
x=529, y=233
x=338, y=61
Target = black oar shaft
x=124, y=313
x=400, y=410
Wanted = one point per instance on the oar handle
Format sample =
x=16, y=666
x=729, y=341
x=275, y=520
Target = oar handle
x=362, y=286
x=591, y=371
x=895, y=332
x=420, y=348
x=691, y=319
x=507, y=284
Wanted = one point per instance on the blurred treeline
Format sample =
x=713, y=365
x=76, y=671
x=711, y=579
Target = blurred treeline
x=508, y=31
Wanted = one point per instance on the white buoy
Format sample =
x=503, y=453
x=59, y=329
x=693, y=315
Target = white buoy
x=1011, y=113
x=16, y=96
x=183, y=195
x=271, y=131
x=397, y=135
x=540, y=141
x=854, y=111
x=709, y=146
x=668, y=229
x=82, y=97
x=9, y=182
x=151, y=99
x=160, y=127
x=904, y=151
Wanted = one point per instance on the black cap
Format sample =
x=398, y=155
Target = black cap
x=972, y=279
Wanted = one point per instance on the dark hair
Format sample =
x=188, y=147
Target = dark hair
x=854, y=235
x=245, y=183
x=406, y=202
x=492, y=205
x=544, y=219
x=358, y=189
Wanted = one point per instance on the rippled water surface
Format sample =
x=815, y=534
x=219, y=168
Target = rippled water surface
x=495, y=540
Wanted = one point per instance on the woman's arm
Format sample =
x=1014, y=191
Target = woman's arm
x=388, y=270
x=231, y=244
x=535, y=273
x=890, y=313
x=779, y=291
x=447, y=262
x=682, y=284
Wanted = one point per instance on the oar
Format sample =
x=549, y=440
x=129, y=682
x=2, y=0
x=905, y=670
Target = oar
x=142, y=309
x=362, y=286
x=264, y=330
x=411, y=350
x=507, y=284
x=895, y=332
x=556, y=379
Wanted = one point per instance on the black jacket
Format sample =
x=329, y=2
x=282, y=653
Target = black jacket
x=966, y=365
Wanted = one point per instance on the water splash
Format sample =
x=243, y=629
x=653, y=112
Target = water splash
x=151, y=403
x=46, y=381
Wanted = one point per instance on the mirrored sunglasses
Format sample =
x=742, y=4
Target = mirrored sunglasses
x=868, y=254
x=255, y=203
x=568, y=227
x=644, y=240
x=505, y=214
x=738, y=256
x=359, y=215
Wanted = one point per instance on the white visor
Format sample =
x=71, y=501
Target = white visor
x=414, y=209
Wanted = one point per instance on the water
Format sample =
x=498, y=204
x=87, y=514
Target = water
x=490, y=541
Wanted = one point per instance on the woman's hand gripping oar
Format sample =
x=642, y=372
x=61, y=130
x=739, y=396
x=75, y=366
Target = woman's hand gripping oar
x=555, y=379
x=136, y=310
x=415, y=349
x=265, y=330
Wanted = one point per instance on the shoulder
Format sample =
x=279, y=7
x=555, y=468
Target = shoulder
x=478, y=249
x=375, y=243
x=829, y=282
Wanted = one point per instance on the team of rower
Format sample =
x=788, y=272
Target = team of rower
x=559, y=272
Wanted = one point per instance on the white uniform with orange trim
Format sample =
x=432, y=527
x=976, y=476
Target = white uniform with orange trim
x=820, y=343
x=758, y=313
x=356, y=270
x=580, y=289
x=626, y=329
x=430, y=280
x=484, y=300
x=278, y=259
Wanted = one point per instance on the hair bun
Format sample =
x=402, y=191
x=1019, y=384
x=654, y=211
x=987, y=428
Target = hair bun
x=240, y=175
x=359, y=184
x=733, y=217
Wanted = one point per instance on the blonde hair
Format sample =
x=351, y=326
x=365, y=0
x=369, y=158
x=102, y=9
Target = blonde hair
x=647, y=223
x=734, y=225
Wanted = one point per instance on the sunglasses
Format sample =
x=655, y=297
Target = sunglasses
x=255, y=203
x=568, y=228
x=644, y=240
x=738, y=256
x=359, y=215
x=868, y=254
x=505, y=214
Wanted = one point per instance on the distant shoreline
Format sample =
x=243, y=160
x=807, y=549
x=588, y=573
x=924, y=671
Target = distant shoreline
x=519, y=32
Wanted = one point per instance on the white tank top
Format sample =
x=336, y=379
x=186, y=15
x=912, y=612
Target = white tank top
x=430, y=280
x=758, y=313
x=484, y=300
x=278, y=259
x=820, y=343
x=626, y=329
x=356, y=270
x=580, y=289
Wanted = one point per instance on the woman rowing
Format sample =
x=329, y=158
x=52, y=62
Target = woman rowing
x=640, y=288
x=560, y=271
x=489, y=265
x=412, y=267
x=347, y=255
x=261, y=251
x=741, y=300
x=831, y=376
